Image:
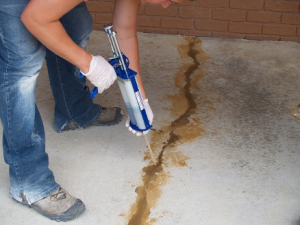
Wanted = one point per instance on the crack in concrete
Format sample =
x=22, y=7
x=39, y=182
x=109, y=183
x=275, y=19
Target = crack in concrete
x=153, y=174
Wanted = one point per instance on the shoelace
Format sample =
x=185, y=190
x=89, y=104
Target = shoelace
x=59, y=195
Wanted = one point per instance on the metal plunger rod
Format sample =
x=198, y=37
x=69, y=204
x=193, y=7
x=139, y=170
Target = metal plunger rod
x=112, y=37
x=107, y=29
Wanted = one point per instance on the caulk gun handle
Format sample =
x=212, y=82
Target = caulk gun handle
x=95, y=89
x=94, y=92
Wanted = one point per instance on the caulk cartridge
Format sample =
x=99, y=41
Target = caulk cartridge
x=132, y=97
x=128, y=84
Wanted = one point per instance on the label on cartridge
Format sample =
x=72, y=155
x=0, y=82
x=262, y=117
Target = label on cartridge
x=139, y=100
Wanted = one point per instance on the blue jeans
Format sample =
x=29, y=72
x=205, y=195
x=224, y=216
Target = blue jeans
x=21, y=58
x=72, y=96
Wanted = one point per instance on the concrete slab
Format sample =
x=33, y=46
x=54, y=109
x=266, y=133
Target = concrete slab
x=228, y=149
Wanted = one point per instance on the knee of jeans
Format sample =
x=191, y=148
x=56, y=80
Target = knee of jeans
x=27, y=85
x=18, y=90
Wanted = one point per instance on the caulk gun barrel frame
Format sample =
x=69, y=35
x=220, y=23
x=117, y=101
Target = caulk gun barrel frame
x=112, y=37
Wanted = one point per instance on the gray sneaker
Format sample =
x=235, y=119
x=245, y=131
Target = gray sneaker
x=58, y=206
x=108, y=117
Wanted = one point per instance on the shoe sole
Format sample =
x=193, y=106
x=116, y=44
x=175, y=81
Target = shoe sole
x=75, y=210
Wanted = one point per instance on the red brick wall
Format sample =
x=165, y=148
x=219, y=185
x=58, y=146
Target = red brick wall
x=250, y=19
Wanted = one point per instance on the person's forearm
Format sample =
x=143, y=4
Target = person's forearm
x=40, y=19
x=124, y=23
x=130, y=48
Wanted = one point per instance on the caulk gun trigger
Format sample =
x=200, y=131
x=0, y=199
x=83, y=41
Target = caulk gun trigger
x=94, y=92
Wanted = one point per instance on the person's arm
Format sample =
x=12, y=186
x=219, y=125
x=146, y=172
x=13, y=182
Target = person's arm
x=41, y=18
x=125, y=17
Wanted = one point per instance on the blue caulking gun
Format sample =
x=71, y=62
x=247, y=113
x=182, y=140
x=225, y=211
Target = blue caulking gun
x=128, y=84
x=129, y=87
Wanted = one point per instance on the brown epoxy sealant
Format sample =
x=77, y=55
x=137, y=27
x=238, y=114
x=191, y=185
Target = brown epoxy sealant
x=296, y=111
x=186, y=127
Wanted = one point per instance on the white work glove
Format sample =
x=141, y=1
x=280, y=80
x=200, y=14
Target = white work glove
x=101, y=73
x=150, y=118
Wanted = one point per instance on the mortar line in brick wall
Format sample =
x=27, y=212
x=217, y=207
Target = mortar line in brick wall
x=194, y=28
x=160, y=22
x=227, y=28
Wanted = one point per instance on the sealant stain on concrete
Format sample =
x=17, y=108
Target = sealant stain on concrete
x=184, y=128
x=296, y=111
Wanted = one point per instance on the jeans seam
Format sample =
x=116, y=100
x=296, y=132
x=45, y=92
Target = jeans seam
x=18, y=175
x=8, y=112
x=8, y=109
x=63, y=88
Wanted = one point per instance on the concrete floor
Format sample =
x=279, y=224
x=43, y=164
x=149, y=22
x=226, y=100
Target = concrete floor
x=230, y=148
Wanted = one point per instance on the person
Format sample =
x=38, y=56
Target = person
x=21, y=59
x=63, y=27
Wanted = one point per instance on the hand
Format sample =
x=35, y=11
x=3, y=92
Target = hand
x=150, y=118
x=101, y=73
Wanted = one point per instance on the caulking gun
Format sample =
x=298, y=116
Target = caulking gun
x=129, y=87
x=128, y=84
